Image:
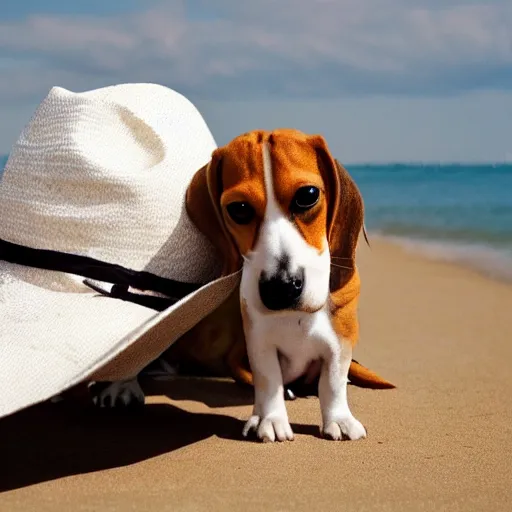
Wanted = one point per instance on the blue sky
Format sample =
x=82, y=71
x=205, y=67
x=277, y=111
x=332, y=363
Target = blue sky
x=409, y=80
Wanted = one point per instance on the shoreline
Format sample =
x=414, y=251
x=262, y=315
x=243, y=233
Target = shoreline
x=483, y=260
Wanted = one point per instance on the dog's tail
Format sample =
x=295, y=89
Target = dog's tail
x=365, y=378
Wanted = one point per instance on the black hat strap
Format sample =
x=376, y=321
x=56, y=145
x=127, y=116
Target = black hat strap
x=120, y=277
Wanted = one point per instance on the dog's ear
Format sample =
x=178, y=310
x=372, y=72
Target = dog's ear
x=345, y=214
x=204, y=209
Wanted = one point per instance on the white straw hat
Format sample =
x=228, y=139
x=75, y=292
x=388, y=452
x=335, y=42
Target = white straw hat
x=95, y=188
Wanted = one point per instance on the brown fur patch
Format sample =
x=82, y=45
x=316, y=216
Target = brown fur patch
x=294, y=165
x=243, y=180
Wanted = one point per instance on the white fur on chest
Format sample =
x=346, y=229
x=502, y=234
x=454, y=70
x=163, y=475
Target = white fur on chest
x=299, y=338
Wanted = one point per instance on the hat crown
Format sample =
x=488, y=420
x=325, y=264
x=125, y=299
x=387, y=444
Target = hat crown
x=104, y=174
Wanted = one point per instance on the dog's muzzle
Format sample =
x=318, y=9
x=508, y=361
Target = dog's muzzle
x=281, y=290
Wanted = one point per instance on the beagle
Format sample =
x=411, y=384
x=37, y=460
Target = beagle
x=281, y=207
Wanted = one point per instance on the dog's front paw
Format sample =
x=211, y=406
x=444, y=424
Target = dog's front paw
x=125, y=393
x=270, y=428
x=344, y=427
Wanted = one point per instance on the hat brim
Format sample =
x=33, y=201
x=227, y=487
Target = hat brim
x=51, y=340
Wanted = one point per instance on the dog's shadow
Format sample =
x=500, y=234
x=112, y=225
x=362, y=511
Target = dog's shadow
x=51, y=441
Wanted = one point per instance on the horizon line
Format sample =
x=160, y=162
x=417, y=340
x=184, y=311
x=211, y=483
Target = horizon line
x=383, y=163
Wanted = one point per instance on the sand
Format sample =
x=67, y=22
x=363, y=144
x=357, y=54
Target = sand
x=441, y=441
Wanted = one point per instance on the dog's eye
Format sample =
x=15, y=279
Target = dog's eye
x=305, y=198
x=240, y=212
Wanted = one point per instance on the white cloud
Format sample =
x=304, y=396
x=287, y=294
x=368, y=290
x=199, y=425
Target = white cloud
x=285, y=48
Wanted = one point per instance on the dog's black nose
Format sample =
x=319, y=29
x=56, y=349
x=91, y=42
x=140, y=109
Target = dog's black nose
x=282, y=290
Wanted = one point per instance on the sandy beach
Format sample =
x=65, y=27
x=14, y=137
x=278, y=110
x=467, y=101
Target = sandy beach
x=441, y=441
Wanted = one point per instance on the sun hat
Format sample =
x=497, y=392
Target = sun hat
x=101, y=269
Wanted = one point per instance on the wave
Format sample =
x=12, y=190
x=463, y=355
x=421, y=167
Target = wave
x=491, y=262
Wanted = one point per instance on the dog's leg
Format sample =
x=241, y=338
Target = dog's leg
x=270, y=418
x=338, y=421
x=243, y=375
x=123, y=393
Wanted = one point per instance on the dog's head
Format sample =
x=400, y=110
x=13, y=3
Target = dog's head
x=280, y=205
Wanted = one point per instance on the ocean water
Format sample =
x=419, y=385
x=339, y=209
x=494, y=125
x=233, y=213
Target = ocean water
x=460, y=213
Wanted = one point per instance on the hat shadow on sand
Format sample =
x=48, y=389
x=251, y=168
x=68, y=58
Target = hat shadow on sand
x=210, y=391
x=51, y=441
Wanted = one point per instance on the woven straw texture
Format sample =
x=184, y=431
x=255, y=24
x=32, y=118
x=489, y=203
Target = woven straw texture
x=102, y=174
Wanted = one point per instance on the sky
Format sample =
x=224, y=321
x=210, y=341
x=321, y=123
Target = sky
x=382, y=80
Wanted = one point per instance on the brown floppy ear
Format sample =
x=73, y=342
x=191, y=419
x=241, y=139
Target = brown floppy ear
x=345, y=214
x=203, y=208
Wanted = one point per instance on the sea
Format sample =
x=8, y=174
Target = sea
x=458, y=212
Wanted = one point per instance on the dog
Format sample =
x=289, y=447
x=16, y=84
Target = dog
x=279, y=206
